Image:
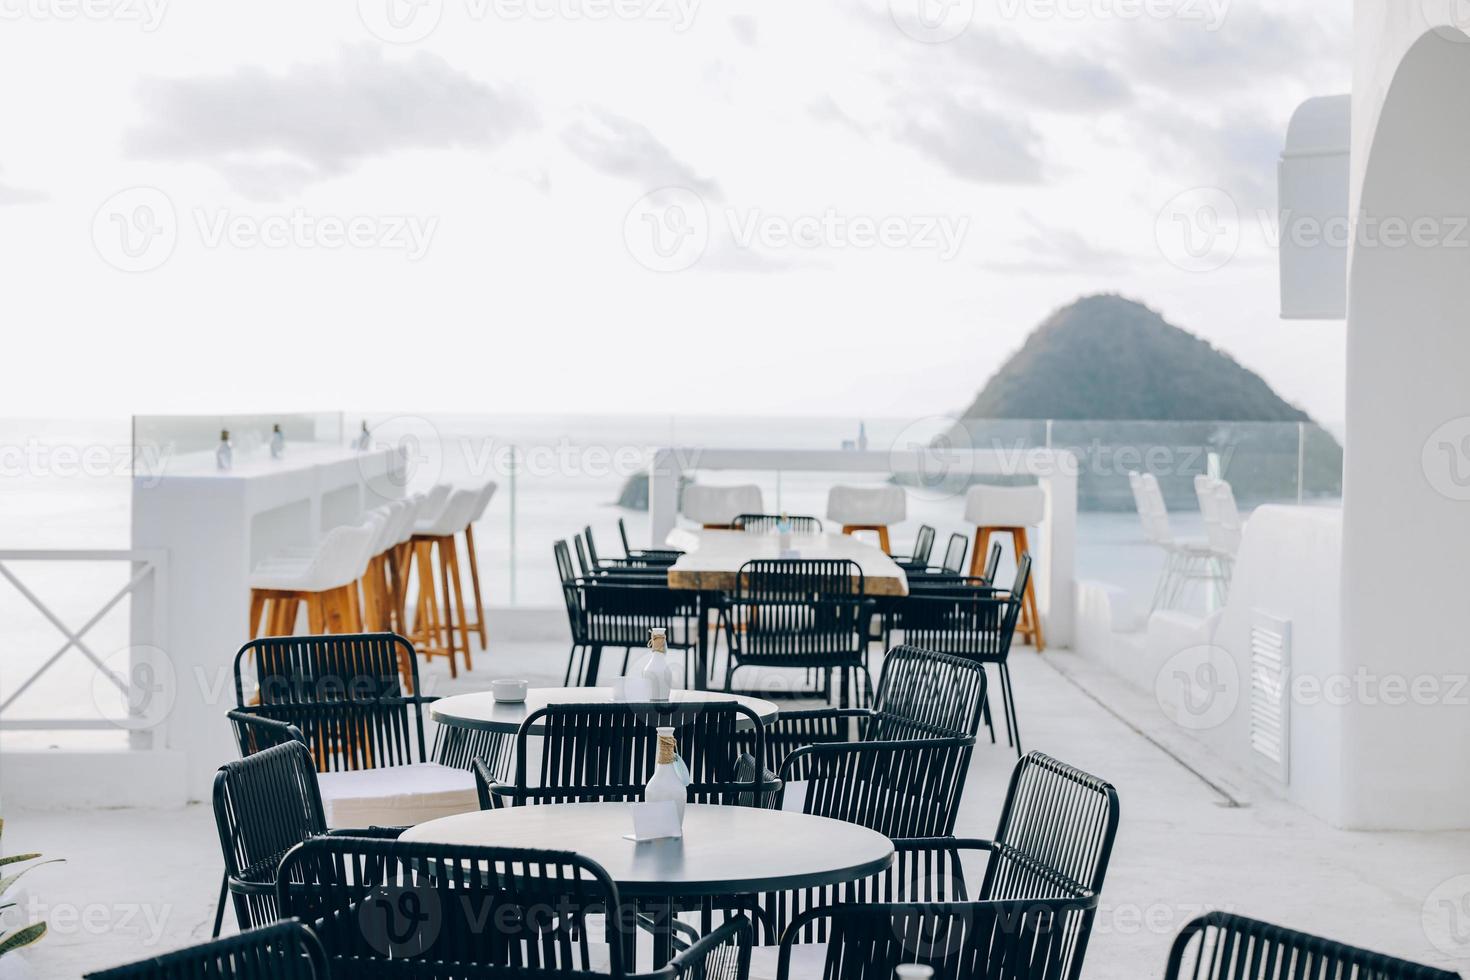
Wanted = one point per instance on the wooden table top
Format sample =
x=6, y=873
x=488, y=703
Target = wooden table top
x=712, y=559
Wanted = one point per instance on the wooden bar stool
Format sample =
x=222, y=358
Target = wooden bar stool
x=867, y=509
x=478, y=625
x=1008, y=510
x=326, y=583
x=440, y=610
x=715, y=508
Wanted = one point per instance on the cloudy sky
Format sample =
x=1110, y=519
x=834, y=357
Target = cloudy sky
x=822, y=207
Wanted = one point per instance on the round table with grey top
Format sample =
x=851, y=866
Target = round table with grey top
x=725, y=850
x=481, y=712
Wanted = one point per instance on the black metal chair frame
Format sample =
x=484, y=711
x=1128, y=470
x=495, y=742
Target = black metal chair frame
x=607, y=752
x=801, y=613
x=340, y=694
x=767, y=523
x=491, y=912
x=918, y=559
x=1034, y=939
x=920, y=694
x=618, y=610
x=285, y=950
x=1220, y=944
x=665, y=555
x=977, y=622
x=898, y=787
x=640, y=563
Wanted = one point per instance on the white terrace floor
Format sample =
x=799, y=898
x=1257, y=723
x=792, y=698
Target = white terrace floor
x=140, y=881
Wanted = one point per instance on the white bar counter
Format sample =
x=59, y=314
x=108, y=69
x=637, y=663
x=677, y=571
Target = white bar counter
x=216, y=526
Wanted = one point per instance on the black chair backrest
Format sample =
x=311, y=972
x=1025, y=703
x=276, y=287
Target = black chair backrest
x=798, y=607
x=264, y=805
x=923, y=693
x=1055, y=833
x=907, y=788
x=924, y=546
x=976, y=622
x=582, y=562
x=992, y=563
x=767, y=523
x=341, y=691
x=591, y=547
x=1219, y=944
x=954, y=554
x=388, y=908
x=569, y=593
x=608, y=752
x=1023, y=940
x=623, y=533
x=282, y=951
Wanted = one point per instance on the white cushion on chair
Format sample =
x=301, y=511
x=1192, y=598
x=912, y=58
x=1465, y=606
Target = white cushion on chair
x=396, y=796
x=988, y=506
x=705, y=504
x=867, y=505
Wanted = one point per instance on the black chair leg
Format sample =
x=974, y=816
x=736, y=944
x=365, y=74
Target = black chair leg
x=989, y=720
x=219, y=911
x=566, y=680
x=1010, y=696
x=594, y=662
x=627, y=652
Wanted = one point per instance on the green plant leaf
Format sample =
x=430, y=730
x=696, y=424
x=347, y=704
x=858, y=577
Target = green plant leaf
x=5, y=883
x=13, y=858
x=22, y=937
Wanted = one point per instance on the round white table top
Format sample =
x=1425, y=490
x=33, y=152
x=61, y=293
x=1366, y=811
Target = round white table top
x=725, y=850
x=481, y=711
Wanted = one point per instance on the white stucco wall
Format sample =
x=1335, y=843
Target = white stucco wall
x=1406, y=517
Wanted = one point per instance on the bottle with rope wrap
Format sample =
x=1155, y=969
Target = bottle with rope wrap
x=666, y=785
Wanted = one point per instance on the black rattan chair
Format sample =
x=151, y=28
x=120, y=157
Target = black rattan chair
x=607, y=752
x=921, y=694
x=900, y=788
x=283, y=951
x=1219, y=944
x=618, y=610
x=974, y=622
x=767, y=523
x=394, y=909
x=664, y=555
x=340, y=694
x=641, y=563
x=1053, y=843
x=923, y=548
x=1008, y=940
x=800, y=613
x=264, y=805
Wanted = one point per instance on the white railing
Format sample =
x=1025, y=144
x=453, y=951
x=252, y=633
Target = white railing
x=146, y=586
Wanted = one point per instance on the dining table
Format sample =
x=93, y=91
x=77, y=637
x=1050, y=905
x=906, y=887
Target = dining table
x=712, y=559
x=725, y=851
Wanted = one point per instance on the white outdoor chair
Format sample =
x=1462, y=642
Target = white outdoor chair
x=440, y=609
x=1222, y=528
x=1185, y=560
x=717, y=507
x=867, y=509
x=324, y=580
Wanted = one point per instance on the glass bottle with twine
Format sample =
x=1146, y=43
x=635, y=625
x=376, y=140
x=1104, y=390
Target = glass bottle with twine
x=666, y=785
x=657, y=675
